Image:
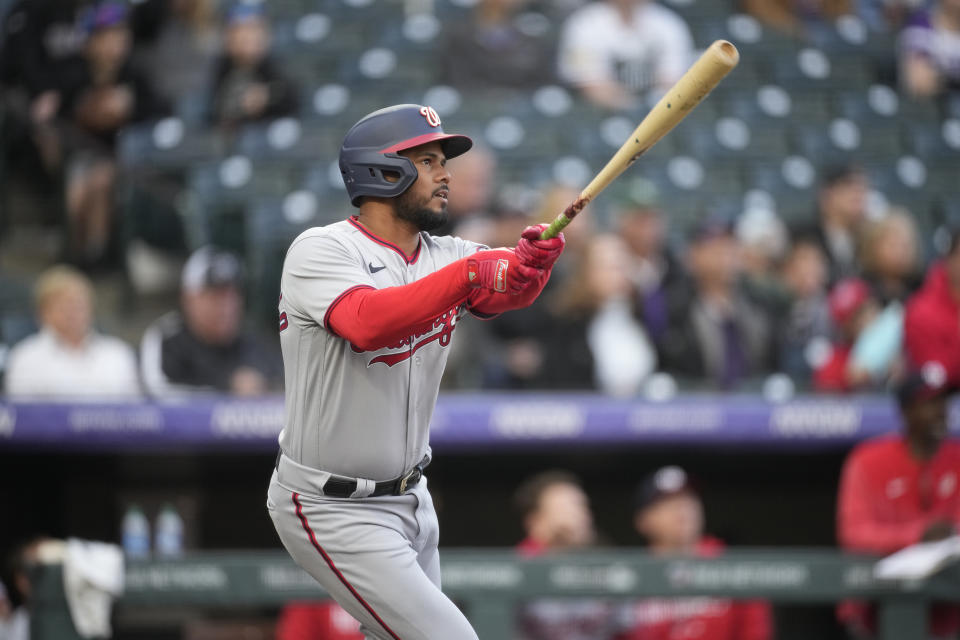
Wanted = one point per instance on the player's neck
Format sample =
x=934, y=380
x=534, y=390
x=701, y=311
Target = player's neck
x=381, y=222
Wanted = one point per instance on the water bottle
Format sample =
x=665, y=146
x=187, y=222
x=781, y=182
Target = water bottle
x=136, y=533
x=169, y=532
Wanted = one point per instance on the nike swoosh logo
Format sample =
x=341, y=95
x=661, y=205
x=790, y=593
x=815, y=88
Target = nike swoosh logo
x=374, y=269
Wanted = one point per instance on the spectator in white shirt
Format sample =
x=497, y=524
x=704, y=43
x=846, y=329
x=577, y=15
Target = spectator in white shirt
x=617, y=50
x=67, y=359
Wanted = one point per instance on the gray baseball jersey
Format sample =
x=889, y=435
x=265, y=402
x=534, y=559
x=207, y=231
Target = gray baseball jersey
x=349, y=412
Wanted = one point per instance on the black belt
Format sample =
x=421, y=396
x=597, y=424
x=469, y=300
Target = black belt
x=344, y=488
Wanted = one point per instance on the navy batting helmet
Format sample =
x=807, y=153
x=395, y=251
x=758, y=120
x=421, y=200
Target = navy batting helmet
x=371, y=146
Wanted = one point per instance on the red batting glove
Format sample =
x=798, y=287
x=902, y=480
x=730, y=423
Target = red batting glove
x=501, y=271
x=538, y=253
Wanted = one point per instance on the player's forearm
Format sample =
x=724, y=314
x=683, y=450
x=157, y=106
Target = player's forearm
x=489, y=303
x=374, y=318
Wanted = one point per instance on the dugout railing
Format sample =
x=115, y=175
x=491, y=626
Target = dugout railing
x=489, y=584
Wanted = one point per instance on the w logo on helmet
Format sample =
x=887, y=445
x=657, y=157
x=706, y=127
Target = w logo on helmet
x=433, y=118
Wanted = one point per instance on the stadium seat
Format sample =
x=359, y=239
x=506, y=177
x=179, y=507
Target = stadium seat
x=167, y=144
x=287, y=139
x=792, y=182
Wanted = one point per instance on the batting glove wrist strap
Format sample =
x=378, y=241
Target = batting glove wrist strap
x=500, y=270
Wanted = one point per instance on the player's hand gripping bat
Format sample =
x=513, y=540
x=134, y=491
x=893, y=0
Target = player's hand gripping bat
x=699, y=80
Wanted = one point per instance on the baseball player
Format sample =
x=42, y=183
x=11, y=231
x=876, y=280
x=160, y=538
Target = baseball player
x=368, y=307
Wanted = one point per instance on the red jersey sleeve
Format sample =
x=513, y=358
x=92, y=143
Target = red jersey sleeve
x=374, y=318
x=858, y=527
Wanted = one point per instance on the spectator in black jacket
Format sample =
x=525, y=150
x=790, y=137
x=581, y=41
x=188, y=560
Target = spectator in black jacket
x=841, y=208
x=101, y=93
x=247, y=86
x=205, y=347
x=719, y=337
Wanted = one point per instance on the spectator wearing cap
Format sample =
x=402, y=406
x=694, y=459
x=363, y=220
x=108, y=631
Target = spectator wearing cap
x=103, y=93
x=654, y=268
x=900, y=489
x=556, y=518
x=668, y=514
x=67, y=359
x=247, y=85
x=204, y=346
x=805, y=325
x=930, y=50
x=617, y=51
x=932, y=321
x=720, y=337
x=841, y=208
x=867, y=352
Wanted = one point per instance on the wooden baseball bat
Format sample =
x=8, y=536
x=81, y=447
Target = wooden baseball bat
x=706, y=73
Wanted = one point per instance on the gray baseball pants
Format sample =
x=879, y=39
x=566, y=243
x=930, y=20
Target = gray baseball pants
x=377, y=557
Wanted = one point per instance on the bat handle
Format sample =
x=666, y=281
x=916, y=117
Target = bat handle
x=555, y=227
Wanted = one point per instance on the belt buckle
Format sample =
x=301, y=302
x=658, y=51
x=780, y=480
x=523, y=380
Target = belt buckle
x=414, y=475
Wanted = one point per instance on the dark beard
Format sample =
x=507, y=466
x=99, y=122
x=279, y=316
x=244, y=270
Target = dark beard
x=417, y=213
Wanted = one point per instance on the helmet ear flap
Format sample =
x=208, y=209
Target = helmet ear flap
x=363, y=174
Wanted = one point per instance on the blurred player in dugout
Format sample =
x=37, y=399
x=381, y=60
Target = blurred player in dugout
x=669, y=516
x=900, y=489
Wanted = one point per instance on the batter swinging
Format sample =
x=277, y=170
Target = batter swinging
x=368, y=307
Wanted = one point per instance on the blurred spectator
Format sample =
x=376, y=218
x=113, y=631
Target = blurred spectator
x=16, y=588
x=14, y=621
x=204, y=347
x=181, y=53
x=39, y=40
x=721, y=337
x=317, y=621
x=496, y=48
x=654, y=270
x=669, y=515
x=763, y=240
x=617, y=50
x=806, y=323
x=888, y=15
x=901, y=489
x=594, y=337
x=67, y=359
x=247, y=85
x=930, y=50
x=841, y=204
x=867, y=351
x=794, y=17
x=890, y=257
x=555, y=514
x=101, y=94
x=932, y=322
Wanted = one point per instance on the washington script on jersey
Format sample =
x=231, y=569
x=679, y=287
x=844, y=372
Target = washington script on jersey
x=440, y=331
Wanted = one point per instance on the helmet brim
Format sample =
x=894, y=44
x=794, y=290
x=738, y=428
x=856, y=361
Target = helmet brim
x=453, y=144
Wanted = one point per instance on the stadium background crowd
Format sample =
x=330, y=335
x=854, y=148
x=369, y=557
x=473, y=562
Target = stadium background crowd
x=799, y=232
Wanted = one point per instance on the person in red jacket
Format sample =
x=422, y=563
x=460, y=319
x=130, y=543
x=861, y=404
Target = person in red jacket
x=555, y=515
x=317, y=621
x=852, y=308
x=901, y=489
x=932, y=321
x=669, y=515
